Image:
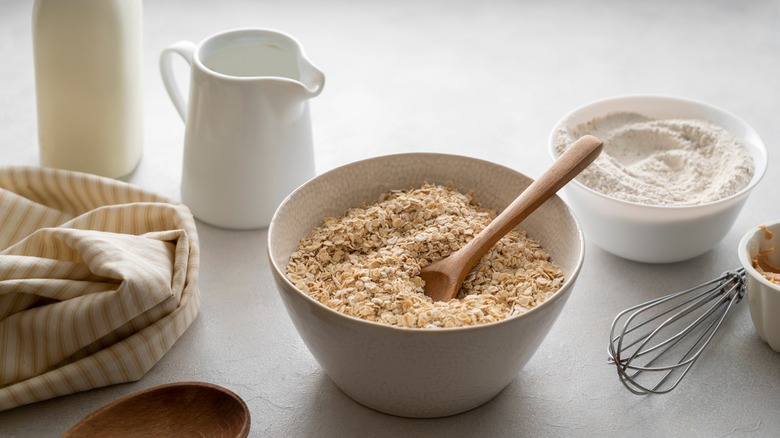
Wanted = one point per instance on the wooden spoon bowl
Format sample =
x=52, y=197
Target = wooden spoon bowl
x=172, y=410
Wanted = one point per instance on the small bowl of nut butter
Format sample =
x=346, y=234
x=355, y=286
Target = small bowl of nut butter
x=759, y=253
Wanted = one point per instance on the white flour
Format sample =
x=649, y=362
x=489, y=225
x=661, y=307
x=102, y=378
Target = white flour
x=662, y=162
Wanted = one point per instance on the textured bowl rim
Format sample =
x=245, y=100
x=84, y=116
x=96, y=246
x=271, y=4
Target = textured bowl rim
x=746, y=260
x=567, y=284
x=760, y=146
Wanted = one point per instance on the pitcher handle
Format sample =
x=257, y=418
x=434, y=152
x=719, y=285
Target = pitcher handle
x=186, y=50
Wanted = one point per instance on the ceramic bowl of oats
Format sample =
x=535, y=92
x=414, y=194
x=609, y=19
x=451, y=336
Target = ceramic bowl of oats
x=346, y=249
x=672, y=177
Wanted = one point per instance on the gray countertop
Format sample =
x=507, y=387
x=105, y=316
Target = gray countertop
x=486, y=79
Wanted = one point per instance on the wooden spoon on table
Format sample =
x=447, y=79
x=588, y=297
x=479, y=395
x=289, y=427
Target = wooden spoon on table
x=444, y=278
x=177, y=409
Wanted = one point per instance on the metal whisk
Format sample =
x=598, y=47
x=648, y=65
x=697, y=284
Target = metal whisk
x=654, y=344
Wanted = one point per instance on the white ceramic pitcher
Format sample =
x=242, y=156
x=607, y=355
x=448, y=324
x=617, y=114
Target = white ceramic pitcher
x=248, y=140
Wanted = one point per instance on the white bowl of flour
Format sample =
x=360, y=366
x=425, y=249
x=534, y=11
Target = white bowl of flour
x=671, y=180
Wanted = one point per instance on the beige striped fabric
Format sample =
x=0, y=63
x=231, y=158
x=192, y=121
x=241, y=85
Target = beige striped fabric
x=98, y=279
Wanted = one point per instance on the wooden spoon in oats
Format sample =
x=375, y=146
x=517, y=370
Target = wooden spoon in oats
x=444, y=278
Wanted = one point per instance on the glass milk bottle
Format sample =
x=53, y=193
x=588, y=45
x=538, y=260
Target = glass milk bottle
x=88, y=84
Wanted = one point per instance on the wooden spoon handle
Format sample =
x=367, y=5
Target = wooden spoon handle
x=573, y=161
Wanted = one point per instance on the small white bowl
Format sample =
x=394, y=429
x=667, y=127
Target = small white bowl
x=763, y=295
x=650, y=233
x=420, y=372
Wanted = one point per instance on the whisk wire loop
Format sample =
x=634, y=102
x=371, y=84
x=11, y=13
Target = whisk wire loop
x=686, y=322
x=650, y=305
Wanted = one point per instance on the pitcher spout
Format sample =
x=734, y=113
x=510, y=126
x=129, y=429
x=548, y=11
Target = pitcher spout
x=312, y=78
x=271, y=59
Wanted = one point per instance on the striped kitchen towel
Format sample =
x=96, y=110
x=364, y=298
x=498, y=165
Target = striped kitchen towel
x=98, y=279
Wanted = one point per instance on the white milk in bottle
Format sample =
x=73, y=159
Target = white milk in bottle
x=88, y=84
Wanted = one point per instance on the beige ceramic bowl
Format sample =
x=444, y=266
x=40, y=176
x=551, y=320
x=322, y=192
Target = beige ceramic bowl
x=656, y=233
x=418, y=372
x=763, y=295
